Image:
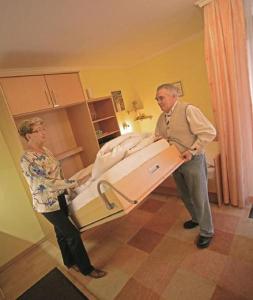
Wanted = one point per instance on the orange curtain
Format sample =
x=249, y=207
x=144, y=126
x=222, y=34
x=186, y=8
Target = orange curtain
x=226, y=59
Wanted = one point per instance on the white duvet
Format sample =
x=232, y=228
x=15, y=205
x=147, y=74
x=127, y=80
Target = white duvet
x=112, y=153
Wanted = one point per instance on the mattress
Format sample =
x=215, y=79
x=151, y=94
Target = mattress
x=135, y=177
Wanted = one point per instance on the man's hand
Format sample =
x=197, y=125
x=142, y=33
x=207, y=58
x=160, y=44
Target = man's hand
x=157, y=138
x=186, y=155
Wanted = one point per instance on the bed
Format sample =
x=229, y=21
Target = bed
x=124, y=186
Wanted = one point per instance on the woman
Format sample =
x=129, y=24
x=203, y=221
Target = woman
x=44, y=176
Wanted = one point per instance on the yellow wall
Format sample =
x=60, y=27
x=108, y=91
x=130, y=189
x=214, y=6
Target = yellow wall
x=184, y=62
x=19, y=227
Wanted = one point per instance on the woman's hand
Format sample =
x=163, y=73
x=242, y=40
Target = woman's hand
x=72, y=194
x=82, y=180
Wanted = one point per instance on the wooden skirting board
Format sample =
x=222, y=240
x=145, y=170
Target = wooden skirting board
x=21, y=254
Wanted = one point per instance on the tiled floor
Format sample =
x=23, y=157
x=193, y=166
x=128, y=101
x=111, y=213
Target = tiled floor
x=148, y=255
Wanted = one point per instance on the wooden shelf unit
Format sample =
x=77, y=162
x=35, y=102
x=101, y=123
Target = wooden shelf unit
x=104, y=119
x=66, y=154
x=108, y=134
x=68, y=133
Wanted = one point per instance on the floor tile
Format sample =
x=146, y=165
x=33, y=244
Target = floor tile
x=108, y=287
x=179, y=232
x=159, y=196
x=159, y=224
x=149, y=255
x=242, y=248
x=186, y=285
x=145, y=240
x=205, y=263
x=245, y=228
x=223, y=222
x=156, y=274
x=172, y=209
x=128, y=259
x=167, y=191
x=134, y=290
x=125, y=231
x=172, y=250
x=184, y=215
x=138, y=217
x=100, y=232
x=230, y=210
x=221, y=242
x=222, y=294
x=151, y=205
x=102, y=252
x=237, y=278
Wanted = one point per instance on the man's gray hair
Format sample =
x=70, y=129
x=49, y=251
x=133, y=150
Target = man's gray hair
x=167, y=86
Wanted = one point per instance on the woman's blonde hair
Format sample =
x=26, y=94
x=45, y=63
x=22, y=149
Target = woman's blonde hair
x=26, y=126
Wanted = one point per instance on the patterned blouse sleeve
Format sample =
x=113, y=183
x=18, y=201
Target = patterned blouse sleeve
x=34, y=171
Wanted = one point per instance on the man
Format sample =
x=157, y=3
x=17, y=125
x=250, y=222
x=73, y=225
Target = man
x=189, y=130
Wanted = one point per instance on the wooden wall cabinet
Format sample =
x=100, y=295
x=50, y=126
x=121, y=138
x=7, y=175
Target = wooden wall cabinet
x=65, y=89
x=104, y=119
x=26, y=94
x=71, y=121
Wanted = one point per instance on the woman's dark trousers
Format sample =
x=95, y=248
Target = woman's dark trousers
x=69, y=240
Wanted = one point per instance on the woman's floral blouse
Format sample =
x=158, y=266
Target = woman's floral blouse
x=44, y=176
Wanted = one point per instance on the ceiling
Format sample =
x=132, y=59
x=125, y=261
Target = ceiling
x=83, y=33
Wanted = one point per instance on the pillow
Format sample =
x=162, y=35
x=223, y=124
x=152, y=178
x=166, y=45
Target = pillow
x=104, y=162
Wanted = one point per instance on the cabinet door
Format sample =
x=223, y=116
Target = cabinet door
x=65, y=89
x=26, y=94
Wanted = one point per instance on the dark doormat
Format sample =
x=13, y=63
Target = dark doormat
x=53, y=286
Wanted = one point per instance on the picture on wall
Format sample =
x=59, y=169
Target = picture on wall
x=178, y=85
x=118, y=101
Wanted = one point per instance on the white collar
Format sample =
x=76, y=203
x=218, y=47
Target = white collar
x=171, y=110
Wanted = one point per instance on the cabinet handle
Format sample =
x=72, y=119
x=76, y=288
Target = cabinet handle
x=54, y=99
x=48, y=100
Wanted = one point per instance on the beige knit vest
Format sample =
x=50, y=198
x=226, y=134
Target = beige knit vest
x=178, y=131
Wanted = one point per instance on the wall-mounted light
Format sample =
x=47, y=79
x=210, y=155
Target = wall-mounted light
x=139, y=116
x=126, y=127
x=142, y=116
